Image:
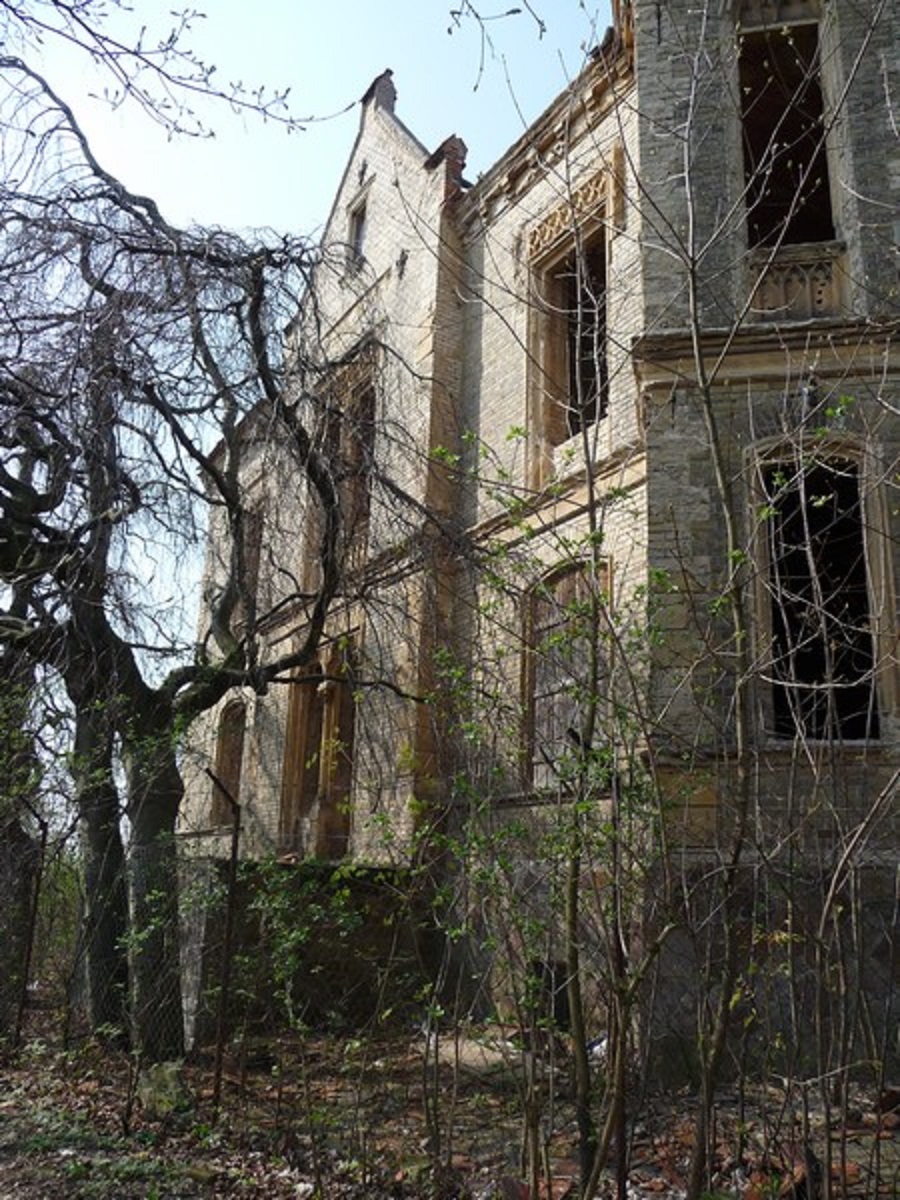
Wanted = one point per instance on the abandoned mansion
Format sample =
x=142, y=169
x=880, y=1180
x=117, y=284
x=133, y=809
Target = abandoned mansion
x=611, y=435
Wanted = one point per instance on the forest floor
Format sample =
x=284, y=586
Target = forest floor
x=348, y=1118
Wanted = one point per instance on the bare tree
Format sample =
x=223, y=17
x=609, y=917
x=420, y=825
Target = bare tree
x=129, y=349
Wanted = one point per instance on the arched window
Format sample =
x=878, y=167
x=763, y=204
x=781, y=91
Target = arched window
x=822, y=659
x=229, y=761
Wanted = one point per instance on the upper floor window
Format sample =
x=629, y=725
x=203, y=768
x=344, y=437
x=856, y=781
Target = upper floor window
x=357, y=464
x=787, y=187
x=349, y=442
x=356, y=240
x=571, y=344
x=823, y=655
x=247, y=563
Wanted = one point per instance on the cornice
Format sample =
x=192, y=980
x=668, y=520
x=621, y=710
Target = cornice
x=596, y=92
x=760, y=350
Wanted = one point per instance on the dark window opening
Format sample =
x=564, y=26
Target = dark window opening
x=823, y=654
x=357, y=447
x=347, y=424
x=785, y=161
x=357, y=238
x=229, y=762
x=584, y=283
x=571, y=348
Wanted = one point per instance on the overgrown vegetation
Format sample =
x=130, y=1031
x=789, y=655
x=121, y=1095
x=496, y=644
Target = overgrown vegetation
x=630, y=783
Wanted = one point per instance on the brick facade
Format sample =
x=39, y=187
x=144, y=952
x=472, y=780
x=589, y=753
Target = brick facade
x=641, y=157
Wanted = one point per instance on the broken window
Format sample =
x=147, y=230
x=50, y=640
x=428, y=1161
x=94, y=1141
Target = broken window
x=788, y=194
x=228, y=762
x=823, y=654
x=561, y=678
x=572, y=342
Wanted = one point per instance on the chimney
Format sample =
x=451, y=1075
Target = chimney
x=452, y=153
x=382, y=91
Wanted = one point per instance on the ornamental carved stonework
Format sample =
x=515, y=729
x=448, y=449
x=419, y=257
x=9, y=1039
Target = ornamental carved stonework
x=768, y=13
x=584, y=202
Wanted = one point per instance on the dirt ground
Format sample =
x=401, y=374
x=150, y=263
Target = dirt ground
x=344, y=1118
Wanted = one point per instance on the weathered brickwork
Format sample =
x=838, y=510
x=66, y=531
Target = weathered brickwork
x=721, y=359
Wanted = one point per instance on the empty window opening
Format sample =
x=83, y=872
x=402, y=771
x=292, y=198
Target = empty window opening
x=229, y=762
x=357, y=236
x=823, y=654
x=788, y=194
x=571, y=345
x=585, y=286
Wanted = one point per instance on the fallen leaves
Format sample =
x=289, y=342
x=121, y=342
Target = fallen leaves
x=362, y=1126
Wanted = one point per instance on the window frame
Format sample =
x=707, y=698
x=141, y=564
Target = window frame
x=346, y=429
x=357, y=228
x=304, y=720
x=229, y=761
x=813, y=84
x=337, y=761
x=873, y=524
x=550, y=340
x=597, y=574
x=318, y=761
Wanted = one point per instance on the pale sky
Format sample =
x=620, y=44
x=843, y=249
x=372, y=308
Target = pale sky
x=328, y=52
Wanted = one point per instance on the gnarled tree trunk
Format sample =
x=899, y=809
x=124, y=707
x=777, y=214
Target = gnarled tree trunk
x=106, y=895
x=155, y=790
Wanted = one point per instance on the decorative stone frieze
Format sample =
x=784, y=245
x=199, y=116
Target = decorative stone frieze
x=797, y=282
x=584, y=202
